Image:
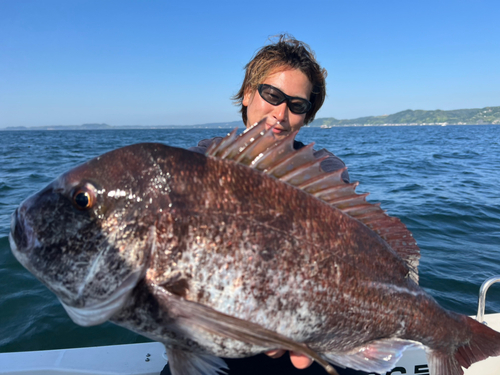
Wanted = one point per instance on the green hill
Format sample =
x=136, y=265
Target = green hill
x=476, y=116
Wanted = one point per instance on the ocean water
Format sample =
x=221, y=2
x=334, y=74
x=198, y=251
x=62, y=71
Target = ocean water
x=442, y=182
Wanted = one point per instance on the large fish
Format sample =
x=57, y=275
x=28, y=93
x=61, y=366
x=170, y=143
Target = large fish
x=248, y=249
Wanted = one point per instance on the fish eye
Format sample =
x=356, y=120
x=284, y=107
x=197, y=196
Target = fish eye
x=83, y=198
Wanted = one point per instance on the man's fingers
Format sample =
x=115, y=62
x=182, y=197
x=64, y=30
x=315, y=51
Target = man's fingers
x=275, y=353
x=300, y=361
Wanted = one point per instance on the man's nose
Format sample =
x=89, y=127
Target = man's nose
x=280, y=112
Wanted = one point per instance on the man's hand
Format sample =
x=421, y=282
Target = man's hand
x=298, y=360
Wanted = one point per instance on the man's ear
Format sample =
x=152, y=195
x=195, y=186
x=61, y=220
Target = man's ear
x=247, y=97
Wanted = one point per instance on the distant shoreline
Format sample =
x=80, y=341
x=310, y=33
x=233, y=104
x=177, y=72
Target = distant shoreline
x=111, y=128
x=192, y=127
x=221, y=125
x=475, y=116
x=431, y=124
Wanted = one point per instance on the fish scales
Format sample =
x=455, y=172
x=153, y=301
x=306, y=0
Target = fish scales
x=257, y=237
x=213, y=258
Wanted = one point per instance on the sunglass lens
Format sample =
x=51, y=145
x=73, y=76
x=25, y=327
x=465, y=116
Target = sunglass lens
x=298, y=106
x=274, y=96
x=271, y=95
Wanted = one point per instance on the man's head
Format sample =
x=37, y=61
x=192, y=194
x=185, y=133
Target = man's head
x=285, y=55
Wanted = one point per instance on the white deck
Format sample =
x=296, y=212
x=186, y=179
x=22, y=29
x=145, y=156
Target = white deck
x=106, y=360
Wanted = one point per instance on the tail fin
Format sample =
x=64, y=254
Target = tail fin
x=484, y=343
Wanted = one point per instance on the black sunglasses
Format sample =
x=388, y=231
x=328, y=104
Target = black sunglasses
x=275, y=96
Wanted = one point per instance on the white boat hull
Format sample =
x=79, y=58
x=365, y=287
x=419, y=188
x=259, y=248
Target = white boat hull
x=132, y=359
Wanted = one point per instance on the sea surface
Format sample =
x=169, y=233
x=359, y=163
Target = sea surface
x=442, y=182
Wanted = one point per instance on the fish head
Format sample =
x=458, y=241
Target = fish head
x=87, y=235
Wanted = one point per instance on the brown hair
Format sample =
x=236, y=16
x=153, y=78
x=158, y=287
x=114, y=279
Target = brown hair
x=286, y=53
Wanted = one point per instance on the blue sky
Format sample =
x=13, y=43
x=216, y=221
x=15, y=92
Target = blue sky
x=165, y=63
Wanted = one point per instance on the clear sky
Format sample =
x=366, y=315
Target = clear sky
x=123, y=62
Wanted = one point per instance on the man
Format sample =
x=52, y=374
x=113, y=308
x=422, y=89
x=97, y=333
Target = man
x=285, y=85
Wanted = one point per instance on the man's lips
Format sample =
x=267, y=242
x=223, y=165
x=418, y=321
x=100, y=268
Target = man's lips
x=277, y=129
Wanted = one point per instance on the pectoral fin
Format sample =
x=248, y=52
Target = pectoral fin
x=192, y=314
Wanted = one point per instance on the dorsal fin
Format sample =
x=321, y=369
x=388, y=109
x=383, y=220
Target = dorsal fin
x=257, y=148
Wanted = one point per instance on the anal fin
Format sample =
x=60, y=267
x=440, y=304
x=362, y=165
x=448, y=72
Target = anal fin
x=187, y=363
x=379, y=356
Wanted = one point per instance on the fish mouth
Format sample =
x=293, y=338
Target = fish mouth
x=101, y=311
x=13, y=247
x=21, y=238
x=12, y=241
